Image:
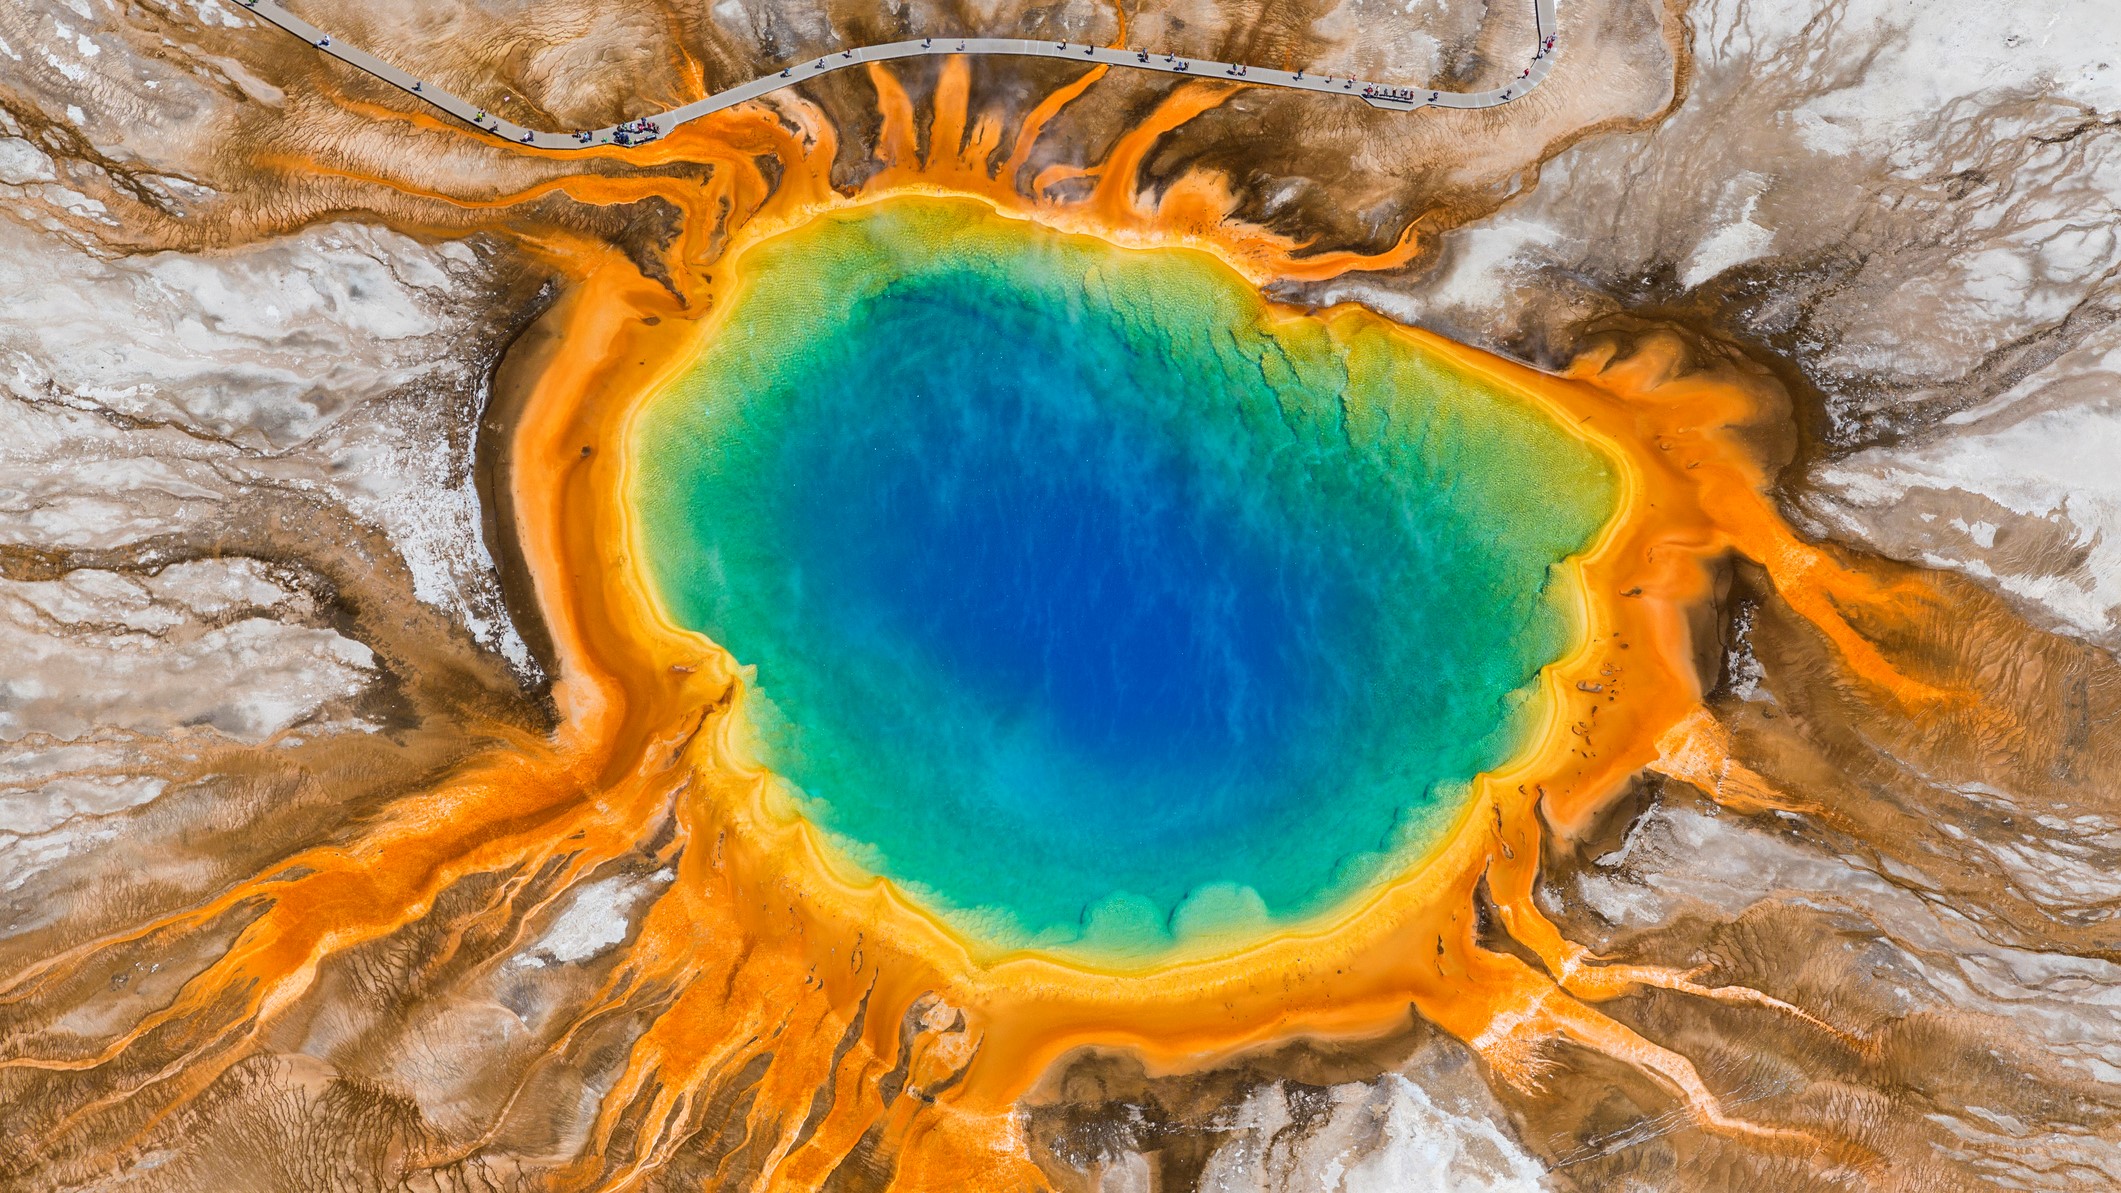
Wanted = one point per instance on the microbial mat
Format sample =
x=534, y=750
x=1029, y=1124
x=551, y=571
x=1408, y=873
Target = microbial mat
x=1095, y=602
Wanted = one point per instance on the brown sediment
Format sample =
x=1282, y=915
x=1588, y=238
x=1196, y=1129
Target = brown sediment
x=908, y=1049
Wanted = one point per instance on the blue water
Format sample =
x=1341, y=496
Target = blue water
x=1075, y=593
x=1071, y=571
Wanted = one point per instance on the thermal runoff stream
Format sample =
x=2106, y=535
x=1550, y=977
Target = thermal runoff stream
x=1089, y=601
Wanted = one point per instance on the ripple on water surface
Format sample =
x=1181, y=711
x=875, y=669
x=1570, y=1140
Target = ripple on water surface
x=1092, y=602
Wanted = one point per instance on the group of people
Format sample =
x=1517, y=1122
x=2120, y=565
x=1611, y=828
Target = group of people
x=1403, y=95
x=636, y=130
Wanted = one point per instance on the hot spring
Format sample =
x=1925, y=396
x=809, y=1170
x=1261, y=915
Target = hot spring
x=1093, y=601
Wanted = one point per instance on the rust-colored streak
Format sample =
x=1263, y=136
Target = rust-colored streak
x=1042, y=115
x=897, y=140
x=1119, y=174
x=689, y=68
x=946, y=132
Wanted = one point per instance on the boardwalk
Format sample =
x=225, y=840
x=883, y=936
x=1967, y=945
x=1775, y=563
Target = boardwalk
x=1396, y=97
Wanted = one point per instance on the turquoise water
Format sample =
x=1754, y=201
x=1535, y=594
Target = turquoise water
x=1085, y=605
